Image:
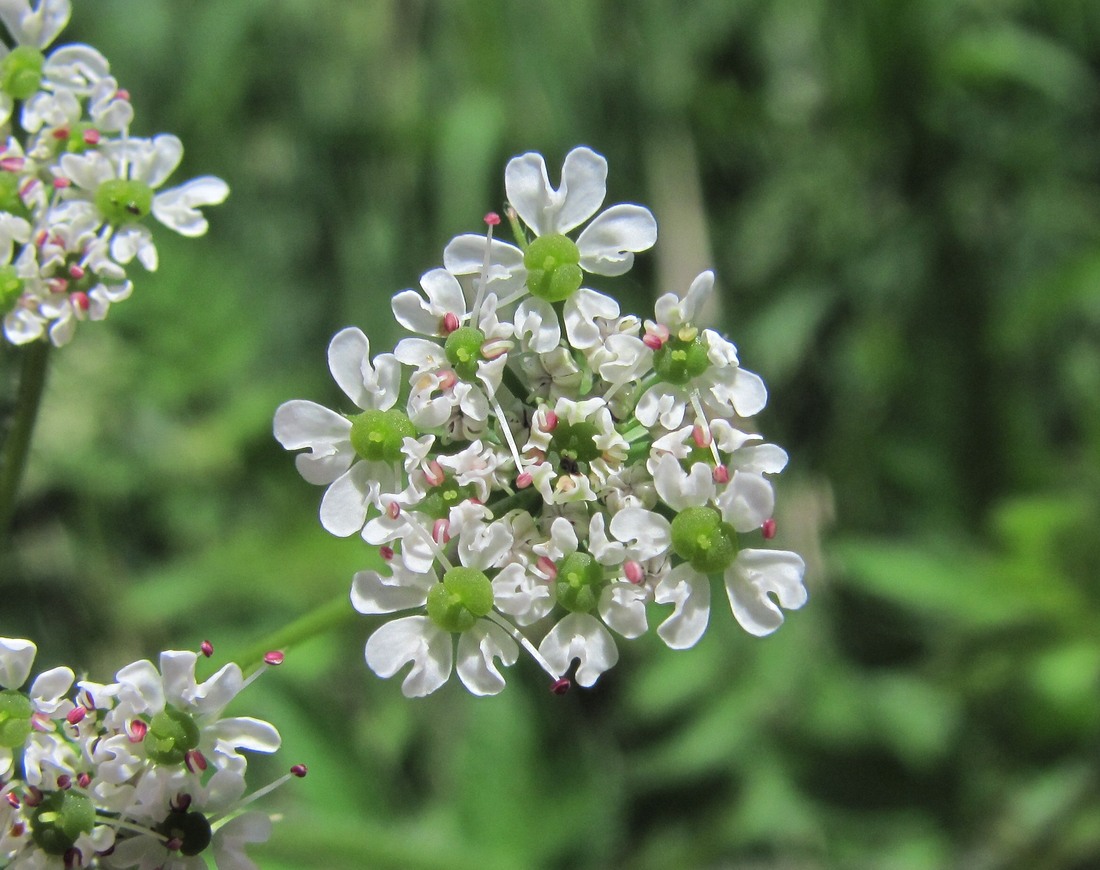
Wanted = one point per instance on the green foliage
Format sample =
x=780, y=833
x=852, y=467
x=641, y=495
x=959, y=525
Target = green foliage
x=902, y=200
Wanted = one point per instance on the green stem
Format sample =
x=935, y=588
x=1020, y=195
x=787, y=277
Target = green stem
x=18, y=429
x=325, y=617
x=515, y=386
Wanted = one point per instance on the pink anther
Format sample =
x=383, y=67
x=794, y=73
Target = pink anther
x=207, y=648
x=61, y=182
x=299, y=770
x=700, y=436
x=61, y=133
x=12, y=164
x=560, y=686
x=76, y=272
x=81, y=300
x=441, y=531
x=274, y=658
x=492, y=219
x=76, y=715
x=386, y=553
x=393, y=510
x=447, y=379
x=435, y=475
x=634, y=572
x=91, y=137
x=524, y=480
x=768, y=529
x=547, y=567
x=551, y=422
x=136, y=731
x=721, y=474
x=195, y=761
x=450, y=323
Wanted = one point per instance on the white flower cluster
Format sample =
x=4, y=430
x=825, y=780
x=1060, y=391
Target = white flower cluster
x=536, y=464
x=75, y=186
x=144, y=772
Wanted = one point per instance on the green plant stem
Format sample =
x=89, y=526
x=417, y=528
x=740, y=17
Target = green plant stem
x=323, y=618
x=17, y=431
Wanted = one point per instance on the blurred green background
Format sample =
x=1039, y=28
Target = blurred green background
x=902, y=201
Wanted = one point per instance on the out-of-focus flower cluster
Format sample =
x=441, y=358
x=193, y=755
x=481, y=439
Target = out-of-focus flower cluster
x=539, y=469
x=144, y=772
x=75, y=186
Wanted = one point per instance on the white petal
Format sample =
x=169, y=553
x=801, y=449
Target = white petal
x=178, y=208
x=756, y=573
x=301, y=423
x=50, y=685
x=465, y=255
x=762, y=458
x=416, y=640
x=679, y=490
x=606, y=245
x=622, y=606
x=444, y=292
x=742, y=390
x=374, y=592
x=230, y=839
x=158, y=160
x=648, y=534
x=141, y=687
x=664, y=402
x=546, y=210
x=690, y=592
x=580, y=313
x=477, y=649
x=536, y=318
x=580, y=636
x=213, y=695
x=349, y=362
x=16, y=658
x=521, y=594
x=413, y=313
x=345, y=503
x=244, y=732
x=747, y=501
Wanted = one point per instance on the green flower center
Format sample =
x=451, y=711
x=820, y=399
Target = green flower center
x=580, y=579
x=191, y=828
x=123, y=201
x=439, y=500
x=575, y=441
x=60, y=819
x=377, y=435
x=682, y=357
x=463, y=349
x=553, y=272
x=15, y=718
x=11, y=288
x=172, y=734
x=700, y=536
x=464, y=596
x=21, y=72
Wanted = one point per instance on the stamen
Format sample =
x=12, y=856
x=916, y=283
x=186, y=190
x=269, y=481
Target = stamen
x=394, y=510
x=275, y=657
x=447, y=379
x=195, y=761
x=76, y=715
x=507, y=434
x=12, y=164
x=450, y=323
x=634, y=572
x=525, y=643
x=441, y=531
x=299, y=770
x=137, y=730
x=768, y=529
x=60, y=183
x=547, y=567
x=721, y=474
x=551, y=422
x=432, y=545
x=386, y=553
x=84, y=780
x=435, y=475
x=701, y=420
x=207, y=648
x=91, y=137
x=64, y=782
x=560, y=686
x=491, y=220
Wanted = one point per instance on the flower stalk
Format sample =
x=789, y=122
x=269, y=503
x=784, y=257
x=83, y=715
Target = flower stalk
x=18, y=427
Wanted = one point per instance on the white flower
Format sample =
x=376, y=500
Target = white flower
x=354, y=482
x=580, y=636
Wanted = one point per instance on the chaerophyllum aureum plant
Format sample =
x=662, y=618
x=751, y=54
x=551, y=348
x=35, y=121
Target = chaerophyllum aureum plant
x=146, y=771
x=538, y=470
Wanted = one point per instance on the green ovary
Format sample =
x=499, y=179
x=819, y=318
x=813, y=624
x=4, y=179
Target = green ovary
x=576, y=441
x=60, y=819
x=463, y=350
x=700, y=537
x=678, y=361
x=553, y=270
x=377, y=435
x=580, y=580
x=122, y=201
x=21, y=72
x=15, y=718
x=191, y=828
x=172, y=734
x=464, y=596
